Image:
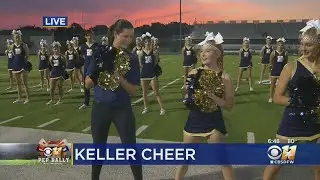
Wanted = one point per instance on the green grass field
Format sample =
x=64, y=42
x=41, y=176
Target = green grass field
x=251, y=113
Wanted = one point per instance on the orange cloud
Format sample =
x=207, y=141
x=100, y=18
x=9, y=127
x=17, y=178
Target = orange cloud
x=201, y=10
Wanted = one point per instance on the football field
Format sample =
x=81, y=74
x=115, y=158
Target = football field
x=252, y=118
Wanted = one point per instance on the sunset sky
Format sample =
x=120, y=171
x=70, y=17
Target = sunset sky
x=14, y=13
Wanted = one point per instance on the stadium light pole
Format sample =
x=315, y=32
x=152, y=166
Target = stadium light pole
x=180, y=36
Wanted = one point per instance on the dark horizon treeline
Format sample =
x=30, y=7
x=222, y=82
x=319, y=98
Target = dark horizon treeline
x=157, y=29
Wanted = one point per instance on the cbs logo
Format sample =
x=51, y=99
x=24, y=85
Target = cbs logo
x=47, y=152
x=282, y=153
x=274, y=152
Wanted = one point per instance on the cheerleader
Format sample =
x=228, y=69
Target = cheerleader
x=57, y=74
x=293, y=125
x=245, y=62
x=72, y=57
x=189, y=58
x=87, y=50
x=78, y=71
x=19, y=65
x=265, y=57
x=209, y=125
x=155, y=43
x=8, y=52
x=115, y=106
x=278, y=59
x=104, y=41
x=43, y=55
x=138, y=47
x=148, y=59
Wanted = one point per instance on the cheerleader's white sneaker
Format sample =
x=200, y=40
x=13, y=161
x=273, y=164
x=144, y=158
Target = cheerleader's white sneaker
x=145, y=111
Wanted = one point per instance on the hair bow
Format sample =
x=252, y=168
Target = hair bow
x=188, y=37
x=56, y=43
x=246, y=39
x=104, y=38
x=282, y=39
x=75, y=38
x=9, y=41
x=16, y=32
x=43, y=42
x=209, y=37
x=312, y=24
x=146, y=34
x=218, y=38
x=269, y=37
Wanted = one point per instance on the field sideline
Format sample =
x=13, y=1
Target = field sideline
x=252, y=118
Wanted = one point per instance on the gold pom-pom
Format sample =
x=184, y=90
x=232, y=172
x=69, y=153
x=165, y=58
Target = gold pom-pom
x=111, y=81
x=209, y=82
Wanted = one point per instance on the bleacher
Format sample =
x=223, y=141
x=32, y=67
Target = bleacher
x=233, y=32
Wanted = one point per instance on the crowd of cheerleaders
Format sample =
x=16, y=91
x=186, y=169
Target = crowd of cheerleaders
x=300, y=78
x=76, y=58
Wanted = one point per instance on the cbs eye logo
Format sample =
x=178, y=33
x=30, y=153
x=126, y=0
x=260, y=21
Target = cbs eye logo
x=47, y=152
x=285, y=153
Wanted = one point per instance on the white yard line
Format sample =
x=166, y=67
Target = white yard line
x=170, y=83
x=9, y=120
x=48, y=123
x=86, y=129
x=250, y=138
x=141, y=129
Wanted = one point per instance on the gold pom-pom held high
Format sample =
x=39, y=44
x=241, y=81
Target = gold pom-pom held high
x=111, y=81
x=210, y=82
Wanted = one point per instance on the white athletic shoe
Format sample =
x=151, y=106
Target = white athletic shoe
x=58, y=102
x=70, y=90
x=26, y=101
x=145, y=111
x=162, y=112
x=237, y=88
x=49, y=102
x=9, y=88
x=17, y=101
x=270, y=100
x=83, y=106
x=251, y=89
x=81, y=90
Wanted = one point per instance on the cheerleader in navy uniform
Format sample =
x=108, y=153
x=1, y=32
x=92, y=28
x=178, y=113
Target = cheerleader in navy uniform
x=208, y=122
x=148, y=59
x=114, y=105
x=79, y=65
x=189, y=58
x=43, y=55
x=8, y=52
x=155, y=44
x=57, y=74
x=104, y=41
x=278, y=59
x=72, y=57
x=87, y=50
x=138, y=47
x=265, y=58
x=19, y=65
x=245, y=63
x=294, y=126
